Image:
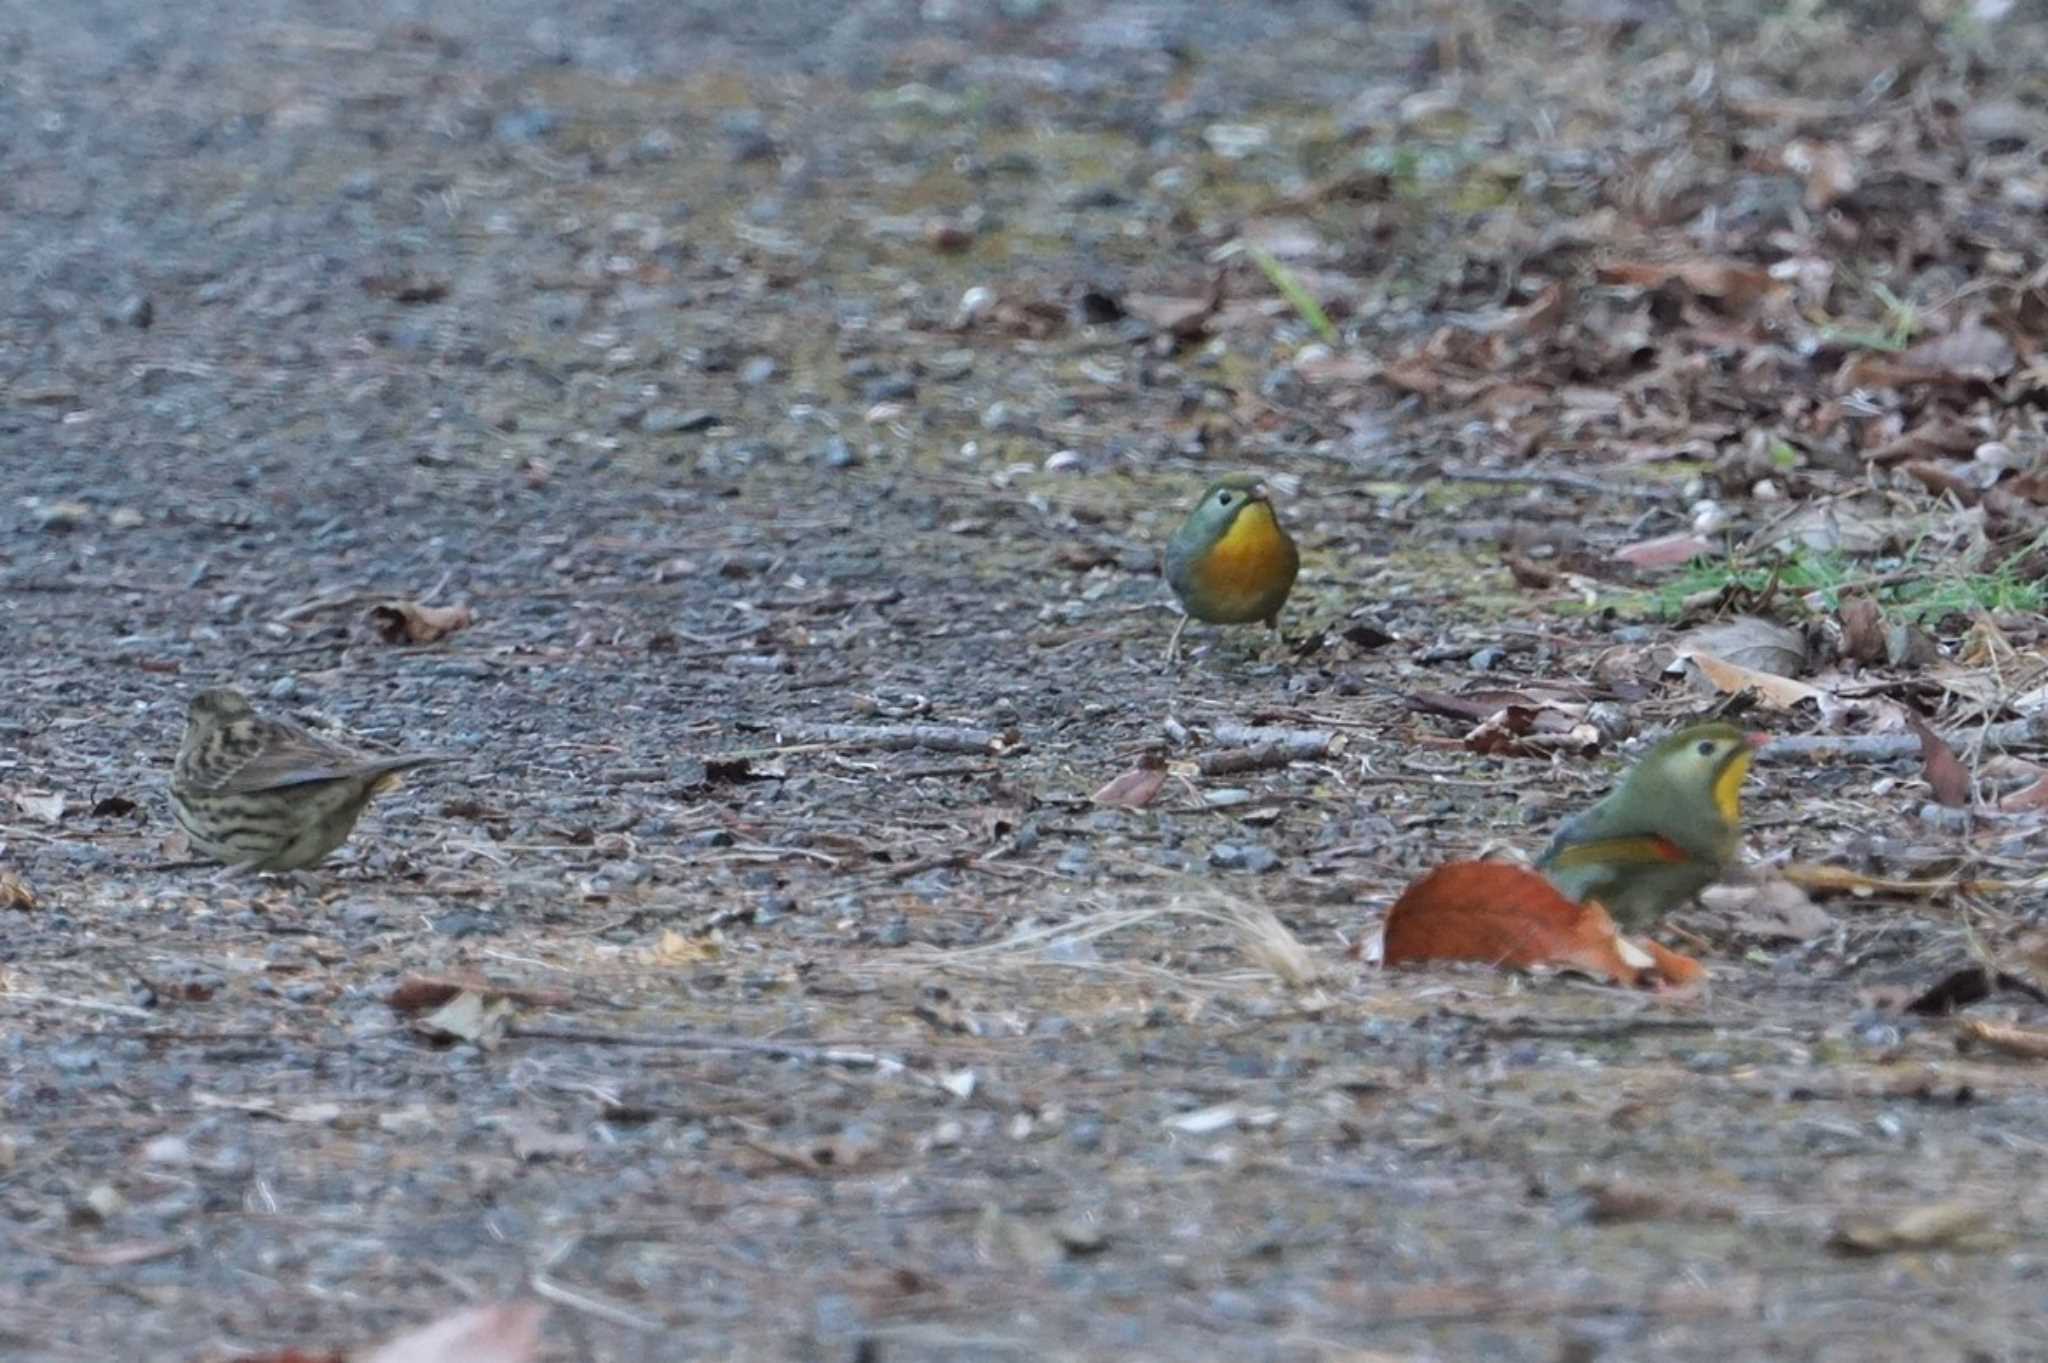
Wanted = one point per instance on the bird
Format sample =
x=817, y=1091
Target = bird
x=262, y=794
x=1668, y=831
x=1230, y=562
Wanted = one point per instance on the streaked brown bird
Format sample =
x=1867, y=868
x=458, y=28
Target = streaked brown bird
x=263, y=794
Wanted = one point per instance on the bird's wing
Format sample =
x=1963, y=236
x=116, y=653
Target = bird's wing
x=1639, y=849
x=298, y=759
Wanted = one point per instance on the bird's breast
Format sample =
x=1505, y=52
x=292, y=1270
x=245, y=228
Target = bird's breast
x=1247, y=573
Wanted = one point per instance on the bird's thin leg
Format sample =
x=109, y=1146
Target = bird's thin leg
x=1173, y=644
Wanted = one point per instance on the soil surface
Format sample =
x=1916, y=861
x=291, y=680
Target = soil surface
x=746, y=434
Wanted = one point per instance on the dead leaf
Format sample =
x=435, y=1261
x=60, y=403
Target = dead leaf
x=408, y=622
x=1940, y=1224
x=2032, y=797
x=1671, y=551
x=1826, y=168
x=416, y=993
x=1510, y=916
x=16, y=893
x=1946, y=775
x=1529, y=574
x=1776, y=910
x=1729, y=282
x=1863, y=634
x=1973, y=353
x=467, y=1017
x=1753, y=642
x=2027, y=1042
x=505, y=1332
x=1780, y=693
x=534, y=1140
x=1136, y=788
x=1619, y=1200
x=1184, y=319
x=48, y=808
x=675, y=948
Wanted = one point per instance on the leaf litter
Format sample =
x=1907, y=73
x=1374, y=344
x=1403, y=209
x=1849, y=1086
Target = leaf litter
x=807, y=967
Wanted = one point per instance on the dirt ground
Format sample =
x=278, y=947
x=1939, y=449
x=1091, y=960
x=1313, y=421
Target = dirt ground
x=750, y=373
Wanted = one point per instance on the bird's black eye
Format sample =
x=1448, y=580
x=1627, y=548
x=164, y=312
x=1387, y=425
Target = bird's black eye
x=1223, y=499
x=1706, y=747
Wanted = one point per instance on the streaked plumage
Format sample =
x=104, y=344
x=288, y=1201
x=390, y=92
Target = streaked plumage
x=264, y=794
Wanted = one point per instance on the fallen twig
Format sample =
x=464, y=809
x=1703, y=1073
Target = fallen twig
x=2016, y=733
x=899, y=737
x=704, y=1041
x=1259, y=758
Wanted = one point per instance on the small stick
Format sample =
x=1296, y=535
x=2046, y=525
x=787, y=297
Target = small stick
x=1261, y=758
x=2029, y=732
x=898, y=737
x=1311, y=743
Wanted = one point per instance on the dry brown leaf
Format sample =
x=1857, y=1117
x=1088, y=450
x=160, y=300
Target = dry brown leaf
x=1777, y=910
x=1671, y=551
x=1337, y=368
x=1936, y=1225
x=416, y=993
x=1863, y=634
x=2031, y=797
x=1780, y=693
x=2027, y=1042
x=676, y=948
x=1753, y=642
x=1946, y=775
x=467, y=1017
x=1734, y=284
x=16, y=892
x=1971, y=351
x=408, y=622
x=1826, y=168
x=1136, y=788
x=504, y=1332
x=1184, y=319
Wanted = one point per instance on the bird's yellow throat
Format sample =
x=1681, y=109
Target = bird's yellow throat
x=1248, y=555
x=1728, y=787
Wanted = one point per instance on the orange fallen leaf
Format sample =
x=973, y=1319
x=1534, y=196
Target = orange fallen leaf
x=1510, y=916
x=408, y=622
